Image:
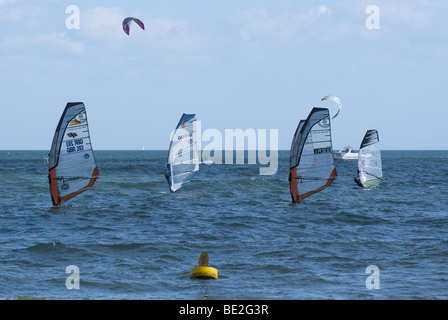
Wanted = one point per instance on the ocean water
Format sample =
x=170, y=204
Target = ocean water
x=130, y=238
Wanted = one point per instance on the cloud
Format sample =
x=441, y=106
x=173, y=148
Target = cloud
x=19, y=14
x=105, y=25
x=174, y=34
x=5, y=2
x=405, y=14
x=168, y=28
x=416, y=14
x=344, y=20
x=29, y=45
x=102, y=23
x=259, y=22
x=59, y=40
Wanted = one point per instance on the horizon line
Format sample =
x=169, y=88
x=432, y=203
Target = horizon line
x=253, y=150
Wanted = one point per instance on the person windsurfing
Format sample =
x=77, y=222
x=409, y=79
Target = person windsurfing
x=358, y=181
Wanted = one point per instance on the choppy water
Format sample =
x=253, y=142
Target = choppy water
x=132, y=239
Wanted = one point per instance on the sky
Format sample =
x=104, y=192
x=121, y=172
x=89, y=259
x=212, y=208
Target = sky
x=235, y=64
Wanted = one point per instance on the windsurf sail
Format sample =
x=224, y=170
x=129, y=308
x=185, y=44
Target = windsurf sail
x=311, y=157
x=72, y=166
x=370, y=172
x=183, y=157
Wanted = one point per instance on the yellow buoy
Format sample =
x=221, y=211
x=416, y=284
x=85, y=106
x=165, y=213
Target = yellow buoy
x=203, y=271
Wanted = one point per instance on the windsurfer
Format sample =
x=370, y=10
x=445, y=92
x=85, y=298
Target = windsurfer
x=357, y=180
x=166, y=174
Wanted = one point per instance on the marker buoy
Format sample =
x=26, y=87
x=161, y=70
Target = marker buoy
x=203, y=271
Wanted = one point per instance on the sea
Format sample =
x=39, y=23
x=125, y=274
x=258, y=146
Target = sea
x=130, y=238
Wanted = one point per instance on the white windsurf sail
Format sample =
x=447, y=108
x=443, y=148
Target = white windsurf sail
x=72, y=166
x=183, y=156
x=370, y=172
x=311, y=157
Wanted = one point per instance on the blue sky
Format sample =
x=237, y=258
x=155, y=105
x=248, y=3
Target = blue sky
x=236, y=64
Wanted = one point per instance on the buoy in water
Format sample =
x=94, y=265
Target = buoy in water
x=203, y=271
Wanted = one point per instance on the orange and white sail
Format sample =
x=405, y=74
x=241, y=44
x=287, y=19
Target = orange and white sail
x=72, y=165
x=311, y=157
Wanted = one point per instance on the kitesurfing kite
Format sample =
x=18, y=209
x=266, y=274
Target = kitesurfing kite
x=336, y=100
x=72, y=166
x=370, y=173
x=183, y=157
x=311, y=157
x=127, y=23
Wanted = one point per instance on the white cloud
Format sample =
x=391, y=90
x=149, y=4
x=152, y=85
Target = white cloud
x=173, y=34
x=410, y=14
x=25, y=15
x=168, y=27
x=60, y=40
x=4, y=2
x=342, y=20
x=105, y=25
x=102, y=23
x=258, y=22
x=20, y=46
x=404, y=14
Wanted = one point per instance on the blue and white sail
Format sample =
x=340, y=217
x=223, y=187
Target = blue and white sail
x=183, y=157
x=370, y=172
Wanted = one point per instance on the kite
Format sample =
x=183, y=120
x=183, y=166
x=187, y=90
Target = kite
x=336, y=100
x=127, y=23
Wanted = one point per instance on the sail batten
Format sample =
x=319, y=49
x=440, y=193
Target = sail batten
x=183, y=156
x=370, y=173
x=72, y=165
x=311, y=157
